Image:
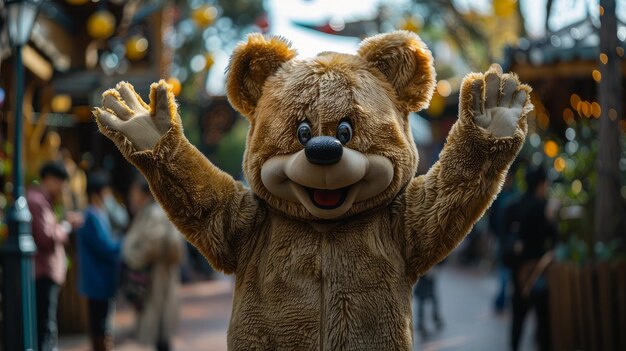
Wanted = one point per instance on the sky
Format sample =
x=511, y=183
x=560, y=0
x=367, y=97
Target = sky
x=308, y=43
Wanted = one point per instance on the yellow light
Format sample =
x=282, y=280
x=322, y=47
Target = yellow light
x=596, y=110
x=204, y=15
x=574, y=100
x=603, y=58
x=136, y=48
x=601, y=8
x=550, y=148
x=444, y=88
x=559, y=164
x=620, y=51
x=101, y=25
x=76, y=2
x=61, y=103
x=568, y=116
x=597, y=76
x=612, y=114
x=584, y=108
x=175, y=83
x=437, y=105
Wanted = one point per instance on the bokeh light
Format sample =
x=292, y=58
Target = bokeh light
x=597, y=76
x=61, y=103
x=577, y=186
x=444, y=88
x=101, y=24
x=136, y=48
x=550, y=148
x=175, y=83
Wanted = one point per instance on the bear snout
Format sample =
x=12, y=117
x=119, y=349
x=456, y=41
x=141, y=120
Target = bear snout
x=323, y=150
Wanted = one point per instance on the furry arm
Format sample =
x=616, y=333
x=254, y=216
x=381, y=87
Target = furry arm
x=442, y=205
x=213, y=211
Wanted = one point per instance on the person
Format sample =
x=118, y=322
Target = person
x=497, y=226
x=536, y=236
x=423, y=291
x=50, y=235
x=152, y=244
x=116, y=212
x=98, y=256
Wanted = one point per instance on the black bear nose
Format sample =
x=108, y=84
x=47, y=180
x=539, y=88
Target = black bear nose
x=323, y=150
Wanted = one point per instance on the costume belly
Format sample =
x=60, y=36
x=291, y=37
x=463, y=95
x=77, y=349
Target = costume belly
x=339, y=290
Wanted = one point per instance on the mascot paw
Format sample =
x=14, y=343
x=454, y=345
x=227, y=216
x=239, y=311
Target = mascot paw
x=498, y=102
x=125, y=113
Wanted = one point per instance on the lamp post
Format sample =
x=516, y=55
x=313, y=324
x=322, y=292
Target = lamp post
x=18, y=271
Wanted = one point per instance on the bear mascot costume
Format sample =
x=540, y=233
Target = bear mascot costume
x=335, y=226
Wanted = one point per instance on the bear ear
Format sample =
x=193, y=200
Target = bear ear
x=406, y=62
x=250, y=65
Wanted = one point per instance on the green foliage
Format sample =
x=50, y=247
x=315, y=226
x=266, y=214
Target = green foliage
x=229, y=153
x=575, y=187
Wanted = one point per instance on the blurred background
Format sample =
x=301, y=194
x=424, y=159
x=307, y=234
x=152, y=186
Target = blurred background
x=573, y=163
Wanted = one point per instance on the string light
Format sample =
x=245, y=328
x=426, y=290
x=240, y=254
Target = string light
x=603, y=58
x=444, y=88
x=175, y=83
x=101, y=24
x=568, y=116
x=574, y=100
x=584, y=108
x=596, y=110
x=559, y=164
x=550, y=148
x=597, y=76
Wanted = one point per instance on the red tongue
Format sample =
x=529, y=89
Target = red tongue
x=327, y=197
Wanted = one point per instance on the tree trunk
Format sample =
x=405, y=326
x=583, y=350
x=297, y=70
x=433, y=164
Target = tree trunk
x=609, y=209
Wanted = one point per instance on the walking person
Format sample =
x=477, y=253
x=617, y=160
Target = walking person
x=98, y=254
x=50, y=235
x=425, y=291
x=153, y=245
x=498, y=228
x=532, y=252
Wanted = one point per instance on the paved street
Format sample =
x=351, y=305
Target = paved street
x=465, y=299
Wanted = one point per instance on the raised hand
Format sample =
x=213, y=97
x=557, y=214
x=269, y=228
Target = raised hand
x=498, y=101
x=125, y=114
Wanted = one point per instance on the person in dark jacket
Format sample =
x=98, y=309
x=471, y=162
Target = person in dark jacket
x=498, y=228
x=99, y=257
x=536, y=235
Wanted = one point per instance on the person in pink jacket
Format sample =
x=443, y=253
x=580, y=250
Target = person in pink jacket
x=50, y=235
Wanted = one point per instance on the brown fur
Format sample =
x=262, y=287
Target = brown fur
x=341, y=284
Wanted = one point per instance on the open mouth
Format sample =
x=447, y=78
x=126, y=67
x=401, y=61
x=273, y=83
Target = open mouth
x=328, y=199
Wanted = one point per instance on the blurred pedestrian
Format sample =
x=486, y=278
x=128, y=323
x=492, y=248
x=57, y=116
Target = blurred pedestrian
x=498, y=228
x=50, y=235
x=117, y=213
x=530, y=255
x=98, y=255
x=425, y=291
x=154, y=246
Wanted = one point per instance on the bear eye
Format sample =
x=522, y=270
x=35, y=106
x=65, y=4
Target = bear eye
x=344, y=132
x=304, y=133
